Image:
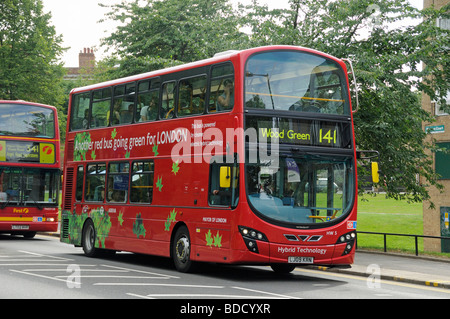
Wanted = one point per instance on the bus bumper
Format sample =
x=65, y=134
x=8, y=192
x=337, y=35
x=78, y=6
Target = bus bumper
x=20, y=225
x=274, y=253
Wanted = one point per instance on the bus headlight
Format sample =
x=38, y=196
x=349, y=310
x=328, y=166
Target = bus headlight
x=251, y=236
x=348, y=239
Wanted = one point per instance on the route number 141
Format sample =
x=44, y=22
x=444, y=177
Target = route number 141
x=329, y=136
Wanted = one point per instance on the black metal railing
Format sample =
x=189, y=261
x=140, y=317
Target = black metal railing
x=416, y=237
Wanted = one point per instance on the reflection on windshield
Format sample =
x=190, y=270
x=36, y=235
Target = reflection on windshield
x=28, y=186
x=295, y=81
x=26, y=120
x=302, y=190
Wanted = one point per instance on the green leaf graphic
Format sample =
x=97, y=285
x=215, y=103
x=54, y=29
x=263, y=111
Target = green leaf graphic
x=175, y=168
x=209, y=239
x=159, y=183
x=155, y=149
x=218, y=240
x=172, y=216
x=138, y=226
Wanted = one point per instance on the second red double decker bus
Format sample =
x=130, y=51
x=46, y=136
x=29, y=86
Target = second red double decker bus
x=245, y=158
x=30, y=168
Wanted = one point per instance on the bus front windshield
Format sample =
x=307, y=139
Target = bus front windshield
x=301, y=189
x=28, y=187
x=295, y=81
x=26, y=120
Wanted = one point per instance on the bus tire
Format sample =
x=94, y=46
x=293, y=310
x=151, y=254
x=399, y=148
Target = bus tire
x=282, y=268
x=29, y=235
x=181, y=250
x=88, y=239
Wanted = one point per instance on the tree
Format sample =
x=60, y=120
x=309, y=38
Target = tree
x=387, y=63
x=387, y=54
x=156, y=34
x=29, y=52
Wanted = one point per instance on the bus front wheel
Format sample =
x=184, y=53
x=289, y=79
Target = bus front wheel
x=282, y=268
x=181, y=250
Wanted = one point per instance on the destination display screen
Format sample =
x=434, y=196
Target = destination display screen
x=301, y=131
x=27, y=152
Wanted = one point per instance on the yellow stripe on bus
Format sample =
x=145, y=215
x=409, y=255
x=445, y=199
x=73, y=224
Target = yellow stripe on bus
x=18, y=219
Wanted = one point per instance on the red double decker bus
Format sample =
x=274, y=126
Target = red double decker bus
x=29, y=168
x=245, y=158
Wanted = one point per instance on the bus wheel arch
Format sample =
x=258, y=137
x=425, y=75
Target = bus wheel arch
x=180, y=248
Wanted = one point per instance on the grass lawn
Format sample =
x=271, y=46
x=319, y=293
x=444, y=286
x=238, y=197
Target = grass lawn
x=378, y=214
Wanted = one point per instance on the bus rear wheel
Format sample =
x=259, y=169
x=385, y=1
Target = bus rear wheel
x=181, y=250
x=88, y=239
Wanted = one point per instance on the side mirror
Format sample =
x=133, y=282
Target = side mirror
x=225, y=176
x=375, y=173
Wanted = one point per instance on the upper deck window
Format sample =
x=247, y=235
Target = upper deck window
x=221, y=96
x=26, y=120
x=295, y=81
x=80, y=111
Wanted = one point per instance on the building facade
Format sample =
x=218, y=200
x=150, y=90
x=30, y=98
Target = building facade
x=436, y=221
x=86, y=64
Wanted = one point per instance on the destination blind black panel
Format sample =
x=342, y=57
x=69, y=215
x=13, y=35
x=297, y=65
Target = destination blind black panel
x=27, y=152
x=306, y=132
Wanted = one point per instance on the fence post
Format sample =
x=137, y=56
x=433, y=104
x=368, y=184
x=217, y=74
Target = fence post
x=417, y=246
x=385, y=245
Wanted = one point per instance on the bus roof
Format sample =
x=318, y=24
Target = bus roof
x=218, y=57
x=26, y=102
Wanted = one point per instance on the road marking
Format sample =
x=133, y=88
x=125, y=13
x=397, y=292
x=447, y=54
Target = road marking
x=110, y=276
x=153, y=296
x=265, y=292
x=82, y=270
x=41, y=255
x=37, y=275
x=154, y=284
x=262, y=294
x=140, y=296
x=141, y=271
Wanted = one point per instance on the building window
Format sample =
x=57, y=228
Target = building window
x=442, y=160
x=443, y=108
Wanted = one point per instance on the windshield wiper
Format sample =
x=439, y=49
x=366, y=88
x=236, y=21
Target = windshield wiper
x=38, y=205
x=5, y=204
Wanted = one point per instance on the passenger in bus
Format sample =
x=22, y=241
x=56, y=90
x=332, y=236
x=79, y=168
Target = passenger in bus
x=149, y=112
x=116, y=113
x=86, y=118
x=144, y=114
x=226, y=100
x=117, y=196
x=127, y=115
x=152, y=109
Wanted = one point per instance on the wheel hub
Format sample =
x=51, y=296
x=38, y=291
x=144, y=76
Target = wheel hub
x=183, y=249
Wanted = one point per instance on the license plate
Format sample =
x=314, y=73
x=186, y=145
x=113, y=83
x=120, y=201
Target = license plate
x=301, y=260
x=20, y=227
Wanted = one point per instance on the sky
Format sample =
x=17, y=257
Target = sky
x=77, y=22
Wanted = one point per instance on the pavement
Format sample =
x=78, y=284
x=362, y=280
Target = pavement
x=429, y=271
